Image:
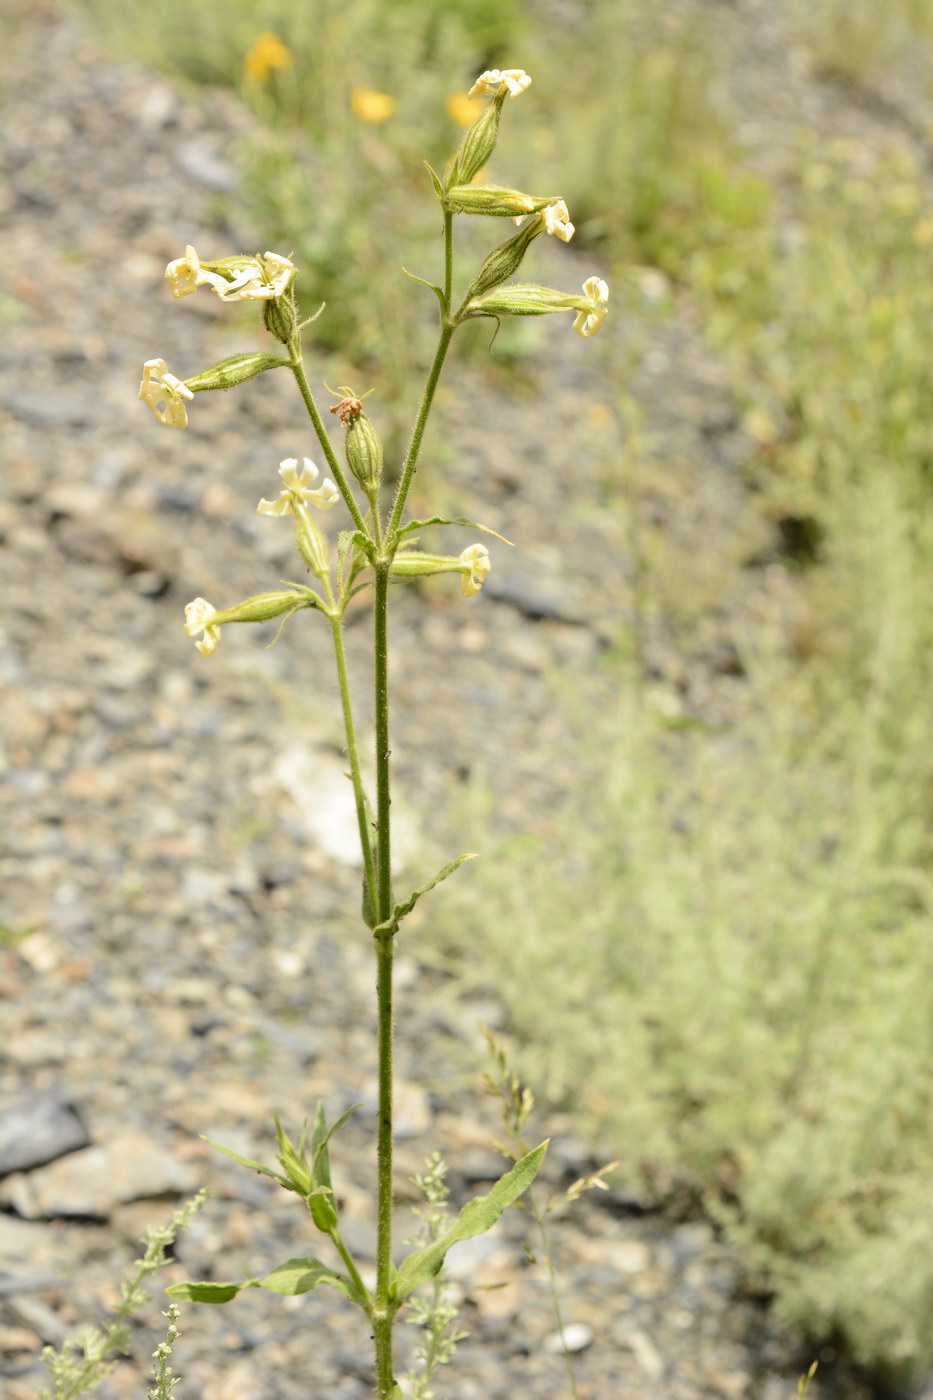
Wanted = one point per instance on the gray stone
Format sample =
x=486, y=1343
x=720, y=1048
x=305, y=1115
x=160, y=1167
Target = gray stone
x=37, y=1130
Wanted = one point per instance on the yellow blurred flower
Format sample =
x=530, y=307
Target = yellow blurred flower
x=463, y=109
x=372, y=106
x=267, y=52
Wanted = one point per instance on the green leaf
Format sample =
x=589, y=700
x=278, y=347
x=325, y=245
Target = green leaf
x=300, y=1276
x=248, y=1162
x=288, y=1279
x=390, y=926
x=439, y=188
x=455, y=520
x=477, y=1216
x=320, y=1137
x=436, y=290
x=204, y=1292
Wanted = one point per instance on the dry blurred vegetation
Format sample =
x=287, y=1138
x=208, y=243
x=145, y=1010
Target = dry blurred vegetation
x=729, y=942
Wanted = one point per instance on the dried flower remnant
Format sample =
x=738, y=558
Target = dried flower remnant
x=593, y=312
x=491, y=83
x=299, y=489
x=165, y=394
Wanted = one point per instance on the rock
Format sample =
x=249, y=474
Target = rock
x=577, y=1337
x=90, y=1183
x=37, y=1130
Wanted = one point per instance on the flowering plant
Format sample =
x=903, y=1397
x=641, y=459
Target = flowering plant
x=374, y=548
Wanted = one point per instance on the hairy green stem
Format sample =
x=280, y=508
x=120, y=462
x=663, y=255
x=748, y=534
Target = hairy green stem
x=383, y=1313
x=366, y=845
x=447, y=329
x=327, y=448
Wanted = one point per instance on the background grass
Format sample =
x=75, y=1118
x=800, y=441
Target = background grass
x=722, y=955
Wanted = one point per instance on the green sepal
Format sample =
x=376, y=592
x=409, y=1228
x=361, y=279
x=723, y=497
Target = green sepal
x=294, y=1161
x=477, y=1216
x=248, y=1162
x=390, y=925
x=438, y=187
x=455, y=520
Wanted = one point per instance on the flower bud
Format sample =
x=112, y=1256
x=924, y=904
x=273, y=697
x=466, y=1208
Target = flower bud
x=235, y=370
x=477, y=145
x=504, y=260
x=495, y=199
x=363, y=448
x=280, y=316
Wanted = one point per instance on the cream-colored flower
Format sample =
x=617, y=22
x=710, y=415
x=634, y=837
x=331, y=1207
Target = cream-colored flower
x=165, y=394
x=555, y=218
x=515, y=81
x=198, y=616
x=185, y=274
x=260, y=280
x=300, y=489
x=475, y=565
x=557, y=221
x=592, y=312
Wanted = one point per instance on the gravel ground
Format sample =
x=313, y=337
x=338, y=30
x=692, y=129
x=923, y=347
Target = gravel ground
x=179, y=958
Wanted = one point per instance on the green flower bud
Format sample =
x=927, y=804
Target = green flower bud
x=498, y=200
x=477, y=146
x=235, y=370
x=322, y=1210
x=363, y=448
x=280, y=316
x=504, y=260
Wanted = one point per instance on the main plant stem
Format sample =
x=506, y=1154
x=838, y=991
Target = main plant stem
x=385, y=947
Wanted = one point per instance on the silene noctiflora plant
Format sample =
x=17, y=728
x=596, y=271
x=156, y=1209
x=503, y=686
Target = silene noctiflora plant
x=376, y=548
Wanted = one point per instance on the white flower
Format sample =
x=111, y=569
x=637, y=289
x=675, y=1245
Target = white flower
x=489, y=83
x=475, y=565
x=557, y=221
x=299, y=488
x=165, y=394
x=554, y=218
x=260, y=280
x=592, y=312
x=185, y=274
x=198, y=616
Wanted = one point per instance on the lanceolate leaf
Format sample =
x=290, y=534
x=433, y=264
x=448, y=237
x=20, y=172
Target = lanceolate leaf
x=455, y=520
x=300, y=1276
x=204, y=1292
x=389, y=926
x=293, y=1277
x=477, y=1216
x=248, y=1162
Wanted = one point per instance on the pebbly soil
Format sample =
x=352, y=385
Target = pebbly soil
x=179, y=880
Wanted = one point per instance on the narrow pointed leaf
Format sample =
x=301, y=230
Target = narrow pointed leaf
x=248, y=1162
x=390, y=926
x=477, y=1216
x=300, y=1276
x=436, y=290
x=439, y=188
x=456, y=520
x=204, y=1292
